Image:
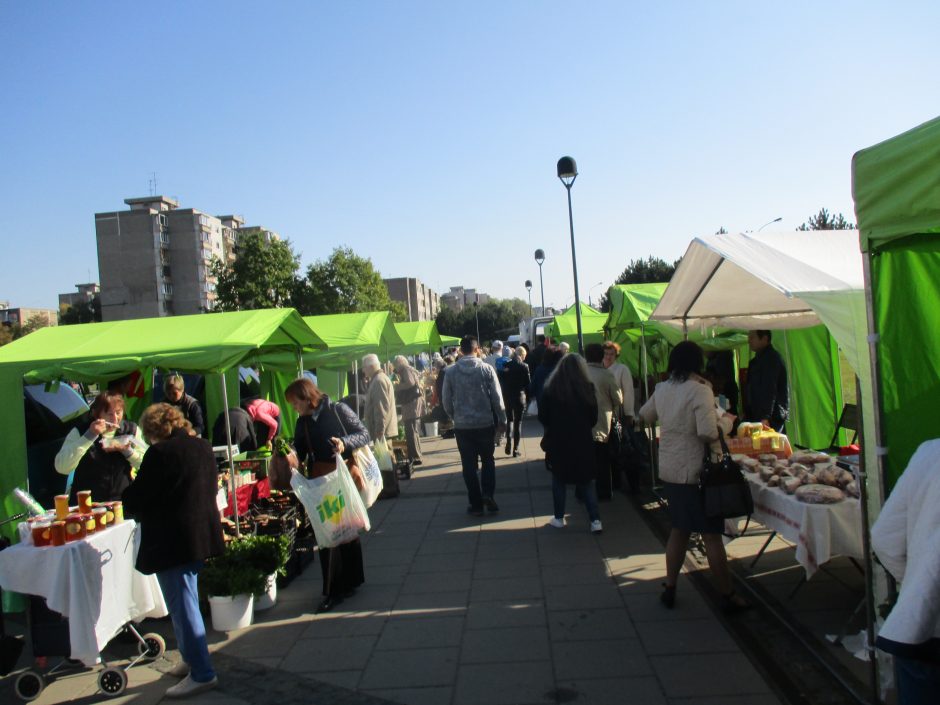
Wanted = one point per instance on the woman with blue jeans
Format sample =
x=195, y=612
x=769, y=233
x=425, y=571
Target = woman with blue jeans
x=173, y=499
x=568, y=411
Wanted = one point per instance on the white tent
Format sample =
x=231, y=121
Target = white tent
x=771, y=281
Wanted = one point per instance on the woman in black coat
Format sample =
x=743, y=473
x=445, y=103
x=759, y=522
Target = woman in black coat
x=174, y=500
x=324, y=429
x=568, y=411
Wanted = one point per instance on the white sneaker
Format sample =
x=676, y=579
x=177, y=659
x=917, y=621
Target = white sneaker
x=187, y=687
x=557, y=523
x=596, y=527
x=180, y=670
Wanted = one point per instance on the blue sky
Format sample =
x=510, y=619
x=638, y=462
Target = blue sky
x=425, y=134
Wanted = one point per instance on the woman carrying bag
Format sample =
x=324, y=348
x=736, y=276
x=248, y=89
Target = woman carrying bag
x=684, y=406
x=324, y=429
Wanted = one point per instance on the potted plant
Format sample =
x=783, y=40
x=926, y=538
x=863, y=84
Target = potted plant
x=269, y=554
x=231, y=582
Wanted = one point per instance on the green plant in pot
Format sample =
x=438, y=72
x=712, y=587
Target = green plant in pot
x=268, y=553
x=232, y=573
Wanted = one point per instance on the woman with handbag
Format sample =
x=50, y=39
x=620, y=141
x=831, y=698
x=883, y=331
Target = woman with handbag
x=324, y=429
x=685, y=407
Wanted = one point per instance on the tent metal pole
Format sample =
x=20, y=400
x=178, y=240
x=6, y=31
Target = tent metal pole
x=356, y=383
x=869, y=563
x=231, y=461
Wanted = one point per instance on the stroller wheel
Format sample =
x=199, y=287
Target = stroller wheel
x=112, y=681
x=152, y=646
x=29, y=685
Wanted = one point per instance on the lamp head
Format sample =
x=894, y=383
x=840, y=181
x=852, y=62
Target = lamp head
x=567, y=171
x=540, y=256
x=528, y=284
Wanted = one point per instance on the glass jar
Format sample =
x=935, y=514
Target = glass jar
x=84, y=502
x=41, y=532
x=61, y=506
x=75, y=527
x=101, y=518
x=57, y=533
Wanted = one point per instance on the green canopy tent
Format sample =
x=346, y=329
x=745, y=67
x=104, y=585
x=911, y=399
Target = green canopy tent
x=418, y=337
x=896, y=187
x=99, y=352
x=564, y=329
x=348, y=337
x=449, y=341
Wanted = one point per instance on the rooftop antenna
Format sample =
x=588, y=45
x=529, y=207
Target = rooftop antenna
x=152, y=183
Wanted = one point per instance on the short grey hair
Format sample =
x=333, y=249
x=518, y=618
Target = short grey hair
x=371, y=362
x=400, y=361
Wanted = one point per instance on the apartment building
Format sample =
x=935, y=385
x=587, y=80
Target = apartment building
x=421, y=302
x=154, y=258
x=458, y=297
x=83, y=295
x=21, y=316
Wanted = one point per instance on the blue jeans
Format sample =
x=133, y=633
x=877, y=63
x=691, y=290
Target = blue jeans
x=182, y=598
x=473, y=444
x=917, y=681
x=586, y=489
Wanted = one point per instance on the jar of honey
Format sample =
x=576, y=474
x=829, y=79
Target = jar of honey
x=41, y=532
x=57, y=533
x=91, y=525
x=117, y=509
x=61, y=506
x=75, y=527
x=101, y=518
x=84, y=502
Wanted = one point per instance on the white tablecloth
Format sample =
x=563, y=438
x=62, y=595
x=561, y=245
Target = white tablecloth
x=819, y=531
x=92, y=582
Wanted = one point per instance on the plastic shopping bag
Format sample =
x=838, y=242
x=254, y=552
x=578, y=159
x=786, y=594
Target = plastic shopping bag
x=371, y=474
x=383, y=455
x=333, y=505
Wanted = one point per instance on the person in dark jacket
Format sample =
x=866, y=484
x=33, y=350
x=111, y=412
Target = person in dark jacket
x=105, y=452
x=766, y=394
x=514, y=381
x=241, y=426
x=174, y=389
x=549, y=359
x=324, y=429
x=174, y=500
x=568, y=411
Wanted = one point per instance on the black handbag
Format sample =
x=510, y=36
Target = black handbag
x=726, y=494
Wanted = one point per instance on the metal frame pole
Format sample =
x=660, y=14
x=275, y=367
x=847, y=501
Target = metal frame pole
x=231, y=461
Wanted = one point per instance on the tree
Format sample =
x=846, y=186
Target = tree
x=498, y=318
x=344, y=283
x=652, y=270
x=15, y=331
x=824, y=221
x=262, y=275
x=86, y=312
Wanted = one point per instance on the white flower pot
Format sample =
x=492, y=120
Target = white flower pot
x=231, y=612
x=430, y=428
x=266, y=601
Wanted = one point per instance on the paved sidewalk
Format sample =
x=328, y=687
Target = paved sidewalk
x=461, y=610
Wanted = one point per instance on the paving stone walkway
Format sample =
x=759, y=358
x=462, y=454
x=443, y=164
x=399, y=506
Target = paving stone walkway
x=460, y=610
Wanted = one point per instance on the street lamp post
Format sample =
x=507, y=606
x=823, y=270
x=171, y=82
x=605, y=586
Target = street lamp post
x=528, y=287
x=775, y=220
x=540, y=259
x=567, y=173
x=476, y=313
x=592, y=289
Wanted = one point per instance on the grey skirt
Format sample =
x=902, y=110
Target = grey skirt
x=687, y=512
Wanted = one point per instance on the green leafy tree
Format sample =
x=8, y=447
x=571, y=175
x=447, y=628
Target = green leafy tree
x=9, y=333
x=87, y=312
x=498, y=319
x=262, y=275
x=824, y=221
x=344, y=283
x=652, y=270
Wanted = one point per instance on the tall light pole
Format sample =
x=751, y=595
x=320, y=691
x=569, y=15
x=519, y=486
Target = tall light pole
x=775, y=220
x=567, y=173
x=592, y=289
x=528, y=287
x=540, y=259
x=476, y=313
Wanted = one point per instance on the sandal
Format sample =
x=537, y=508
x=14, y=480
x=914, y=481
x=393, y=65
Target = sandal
x=733, y=603
x=668, y=596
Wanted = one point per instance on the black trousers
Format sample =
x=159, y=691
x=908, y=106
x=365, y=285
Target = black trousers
x=342, y=569
x=602, y=470
x=514, y=411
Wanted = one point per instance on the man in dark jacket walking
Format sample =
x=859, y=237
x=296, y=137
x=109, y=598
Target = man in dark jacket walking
x=766, y=394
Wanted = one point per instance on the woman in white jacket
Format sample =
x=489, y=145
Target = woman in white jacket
x=685, y=407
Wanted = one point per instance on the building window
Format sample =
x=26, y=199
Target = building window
x=164, y=237
x=168, y=289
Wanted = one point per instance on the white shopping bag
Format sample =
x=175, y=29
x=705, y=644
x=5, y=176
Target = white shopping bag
x=383, y=455
x=333, y=504
x=371, y=474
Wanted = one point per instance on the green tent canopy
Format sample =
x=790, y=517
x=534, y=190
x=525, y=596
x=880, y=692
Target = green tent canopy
x=449, y=341
x=896, y=187
x=564, y=329
x=350, y=336
x=418, y=337
x=97, y=352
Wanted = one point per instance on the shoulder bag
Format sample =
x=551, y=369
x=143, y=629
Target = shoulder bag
x=725, y=492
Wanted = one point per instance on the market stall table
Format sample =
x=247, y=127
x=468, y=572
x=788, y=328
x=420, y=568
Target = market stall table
x=819, y=531
x=247, y=495
x=92, y=582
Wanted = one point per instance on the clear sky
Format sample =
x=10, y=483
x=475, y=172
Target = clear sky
x=424, y=135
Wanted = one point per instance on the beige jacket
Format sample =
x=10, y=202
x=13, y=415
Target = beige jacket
x=608, y=396
x=688, y=419
x=624, y=379
x=380, y=417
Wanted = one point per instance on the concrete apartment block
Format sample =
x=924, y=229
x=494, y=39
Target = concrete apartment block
x=21, y=316
x=458, y=298
x=154, y=258
x=421, y=302
x=84, y=294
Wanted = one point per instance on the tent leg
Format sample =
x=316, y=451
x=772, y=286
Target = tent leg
x=231, y=462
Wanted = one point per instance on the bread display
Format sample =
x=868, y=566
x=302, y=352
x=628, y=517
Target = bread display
x=819, y=494
x=805, y=469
